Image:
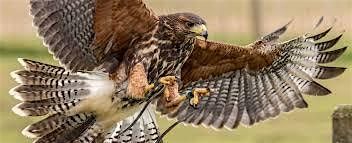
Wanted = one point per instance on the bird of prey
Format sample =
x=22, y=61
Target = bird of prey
x=114, y=51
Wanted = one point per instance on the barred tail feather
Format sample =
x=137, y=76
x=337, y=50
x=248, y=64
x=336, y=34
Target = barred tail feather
x=46, y=89
x=44, y=126
x=42, y=92
x=43, y=107
x=90, y=135
x=145, y=130
x=73, y=128
x=51, y=91
x=54, y=123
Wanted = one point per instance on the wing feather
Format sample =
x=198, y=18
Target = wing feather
x=252, y=83
x=232, y=98
x=83, y=34
x=274, y=109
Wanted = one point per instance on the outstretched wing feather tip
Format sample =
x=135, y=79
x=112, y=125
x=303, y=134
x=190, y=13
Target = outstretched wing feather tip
x=320, y=21
x=272, y=37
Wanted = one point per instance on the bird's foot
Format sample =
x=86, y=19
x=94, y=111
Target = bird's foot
x=198, y=92
x=171, y=98
x=171, y=87
x=168, y=80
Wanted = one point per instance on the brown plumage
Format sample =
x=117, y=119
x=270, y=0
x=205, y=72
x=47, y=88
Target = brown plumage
x=86, y=33
x=111, y=50
x=114, y=50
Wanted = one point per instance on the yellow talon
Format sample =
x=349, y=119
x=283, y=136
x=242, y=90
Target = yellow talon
x=148, y=88
x=197, y=92
x=167, y=94
x=170, y=83
x=200, y=91
x=168, y=80
x=194, y=101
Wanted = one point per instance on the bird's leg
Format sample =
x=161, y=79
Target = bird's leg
x=198, y=92
x=138, y=84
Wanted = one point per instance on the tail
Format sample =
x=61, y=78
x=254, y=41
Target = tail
x=51, y=91
x=145, y=130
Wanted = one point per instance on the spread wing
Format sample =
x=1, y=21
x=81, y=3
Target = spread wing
x=255, y=82
x=83, y=34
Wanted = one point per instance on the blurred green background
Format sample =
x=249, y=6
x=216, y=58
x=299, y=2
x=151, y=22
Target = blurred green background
x=231, y=21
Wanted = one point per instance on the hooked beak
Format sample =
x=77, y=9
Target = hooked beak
x=200, y=30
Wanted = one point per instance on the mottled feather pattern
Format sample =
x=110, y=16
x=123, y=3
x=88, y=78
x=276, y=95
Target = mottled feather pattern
x=250, y=94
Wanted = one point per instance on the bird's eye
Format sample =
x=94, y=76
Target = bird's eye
x=190, y=24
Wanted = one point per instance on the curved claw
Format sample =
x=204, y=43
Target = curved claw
x=168, y=80
x=148, y=88
x=171, y=90
x=197, y=93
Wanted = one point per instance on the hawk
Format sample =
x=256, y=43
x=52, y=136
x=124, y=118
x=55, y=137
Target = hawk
x=114, y=51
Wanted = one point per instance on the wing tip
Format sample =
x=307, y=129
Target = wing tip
x=321, y=34
x=317, y=90
x=339, y=36
x=332, y=72
x=321, y=19
x=342, y=50
x=338, y=71
x=290, y=22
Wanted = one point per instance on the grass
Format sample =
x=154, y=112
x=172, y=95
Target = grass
x=312, y=125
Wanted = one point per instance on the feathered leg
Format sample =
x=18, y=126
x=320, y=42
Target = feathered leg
x=138, y=82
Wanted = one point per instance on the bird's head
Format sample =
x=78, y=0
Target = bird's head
x=188, y=24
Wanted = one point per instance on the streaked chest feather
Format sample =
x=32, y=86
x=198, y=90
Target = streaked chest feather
x=164, y=57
